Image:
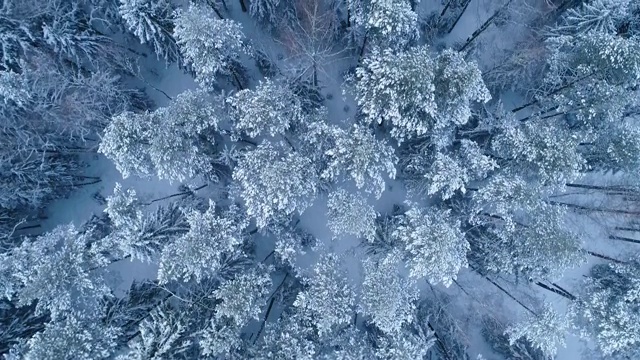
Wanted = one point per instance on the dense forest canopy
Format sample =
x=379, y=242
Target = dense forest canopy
x=319, y=179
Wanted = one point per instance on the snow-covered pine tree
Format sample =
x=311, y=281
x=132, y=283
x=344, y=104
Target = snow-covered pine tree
x=12, y=90
x=432, y=243
x=126, y=142
x=57, y=105
x=493, y=332
x=545, y=331
x=350, y=214
x=448, y=175
x=64, y=30
x=32, y=172
x=191, y=328
x=608, y=307
x=211, y=46
x=162, y=333
x=79, y=333
x=291, y=241
x=273, y=180
x=419, y=95
x=384, y=23
x=591, y=77
x=266, y=10
x=170, y=142
x=397, y=89
x=348, y=344
x=359, y=155
x=434, y=312
x=457, y=84
x=152, y=21
x=105, y=12
x=545, y=151
x=122, y=206
x=54, y=270
x=220, y=339
x=271, y=109
x=184, y=136
x=78, y=46
x=387, y=298
x=18, y=323
x=519, y=233
x=243, y=297
x=505, y=195
x=18, y=36
x=615, y=147
x=596, y=15
x=137, y=234
x=126, y=311
x=317, y=137
x=292, y=337
x=329, y=297
x=448, y=171
x=406, y=344
x=74, y=31
x=384, y=242
x=211, y=247
x=632, y=26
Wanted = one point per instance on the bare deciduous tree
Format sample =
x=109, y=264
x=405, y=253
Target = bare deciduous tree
x=310, y=38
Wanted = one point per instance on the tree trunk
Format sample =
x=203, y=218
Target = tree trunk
x=286, y=139
x=503, y=290
x=622, y=238
x=247, y=141
x=570, y=84
x=214, y=5
x=552, y=16
x=459, y=16
x=563, y=290
x=602, y=188
x=561, y=293
x=217, y=12
x=28, y=227
x=191, y=191
x=266, y=316
x=509, y=295
x=444, y=11
x=461, y=288
x=77, y=184
x=485, y=25
x=581, y=207
x=605, y=257
x=156, y=89
x=627, y=228
x=315, y=75
x=443, y=349
x=364, y=44
x=268, y=255
x=237, y=81
x=543, y=113
x=243, y=6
